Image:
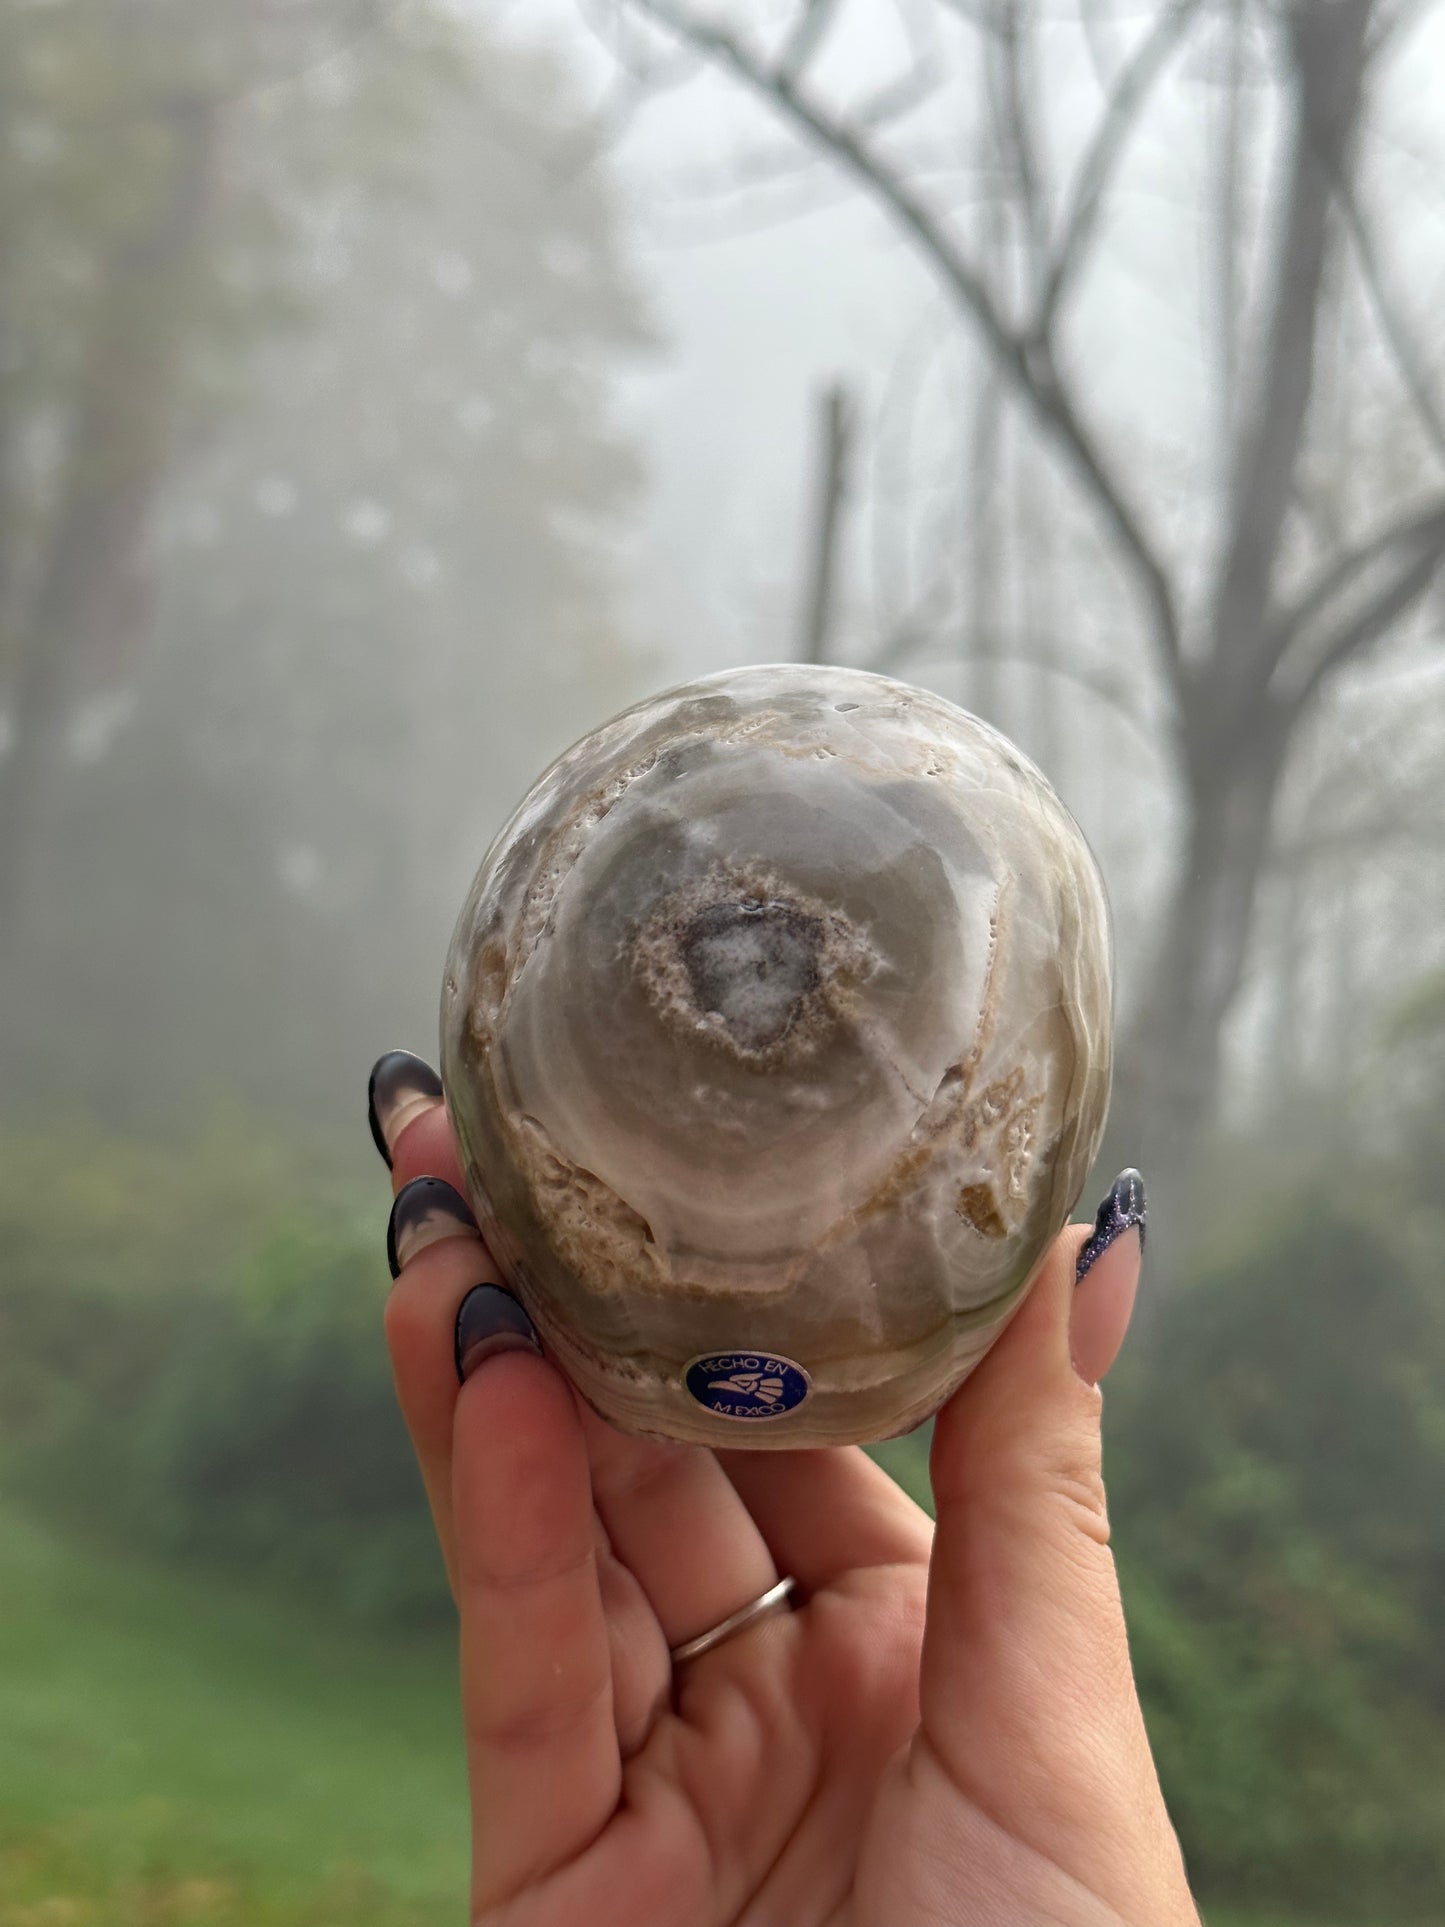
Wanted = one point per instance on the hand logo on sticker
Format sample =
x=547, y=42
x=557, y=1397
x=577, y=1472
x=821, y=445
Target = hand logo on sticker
x=752, y=1384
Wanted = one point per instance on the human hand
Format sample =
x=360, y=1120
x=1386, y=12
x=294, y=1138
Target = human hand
x=944, y=1732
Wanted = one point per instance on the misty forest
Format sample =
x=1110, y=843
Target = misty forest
x=391, y=392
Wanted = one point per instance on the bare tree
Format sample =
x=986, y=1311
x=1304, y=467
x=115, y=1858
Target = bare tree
x=89, y=602
x=1248, y=628
x=835, y=431
x=115, y=123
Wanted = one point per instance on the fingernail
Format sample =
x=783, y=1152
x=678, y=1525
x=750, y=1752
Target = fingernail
x=422, y=1213
x=401, y=1088
x=1110, y=1260
x=490, y=1320
x=1124, y=1208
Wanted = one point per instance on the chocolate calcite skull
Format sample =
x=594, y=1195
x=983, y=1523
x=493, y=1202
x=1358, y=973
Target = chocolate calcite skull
x=776, y=1036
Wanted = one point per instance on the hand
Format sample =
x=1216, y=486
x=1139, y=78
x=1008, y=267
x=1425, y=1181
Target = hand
x=943, y=1733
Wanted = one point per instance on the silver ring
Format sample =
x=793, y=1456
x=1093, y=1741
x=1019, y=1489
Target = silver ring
x=734, y=1623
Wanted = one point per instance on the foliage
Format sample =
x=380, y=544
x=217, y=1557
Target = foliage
x=1275, y=1468
x=177, y=1379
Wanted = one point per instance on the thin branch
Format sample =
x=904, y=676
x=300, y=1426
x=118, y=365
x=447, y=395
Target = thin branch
x=1028, y=363
x=813, y=22
x=1100, y=56
x=639, y=67
x=1226, y=232
x=1421, y=561
x=1386, y=829
x=1393, y=325
x=835, y=423
x=908, y=644
x=748, y=171
x=1393, y=25
x=978, y=13
x=900, y=97
x=1334, y=583
x=1121, y=111
x=1015, y=127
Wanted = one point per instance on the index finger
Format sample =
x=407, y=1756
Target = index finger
x=427, y=1147
x=542, y=1746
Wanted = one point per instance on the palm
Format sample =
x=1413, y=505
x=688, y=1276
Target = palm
x=748, y=1789
x=785, y=1779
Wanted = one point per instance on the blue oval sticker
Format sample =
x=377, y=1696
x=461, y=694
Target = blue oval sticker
x=746, y=1385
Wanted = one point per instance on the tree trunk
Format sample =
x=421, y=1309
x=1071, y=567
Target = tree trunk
x=90, y=602
x=834, y=435
x=1167, y=1082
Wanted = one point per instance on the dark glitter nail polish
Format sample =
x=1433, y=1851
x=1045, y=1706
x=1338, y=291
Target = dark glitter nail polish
x=1121, y=1210
x=400, y=1083
x=490, y=1320
x=423, y=1212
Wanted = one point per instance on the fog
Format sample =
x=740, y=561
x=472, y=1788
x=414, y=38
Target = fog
x=390, y=394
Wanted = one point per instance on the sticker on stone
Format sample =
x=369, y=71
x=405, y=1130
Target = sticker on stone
x=746, y=1385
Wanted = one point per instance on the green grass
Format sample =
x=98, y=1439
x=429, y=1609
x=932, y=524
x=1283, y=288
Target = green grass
x=176, y=1754
x=172, y=1755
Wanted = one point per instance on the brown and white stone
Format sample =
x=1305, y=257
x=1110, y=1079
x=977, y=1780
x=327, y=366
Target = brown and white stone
x=778, y=1022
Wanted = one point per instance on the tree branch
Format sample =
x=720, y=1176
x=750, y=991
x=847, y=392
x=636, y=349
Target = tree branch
x=1327, y=46
x=1418, y=548
x=1387, y=312
x=1394, y=25
x=1225, y=234
x=1127, y=96
x=1014, y=125
x=923, y=74
x=908, y=643
x=1101, y=59
x=900, y=97
x=1384, y=830
x=1336, y=580
x=1025, y=361
x=803, y=42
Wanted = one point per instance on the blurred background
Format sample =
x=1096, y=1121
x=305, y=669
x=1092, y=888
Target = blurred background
x=388, y=393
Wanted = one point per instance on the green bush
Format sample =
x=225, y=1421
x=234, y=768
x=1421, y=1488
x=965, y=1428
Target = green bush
x=1276, y=1461
x=193, y=1360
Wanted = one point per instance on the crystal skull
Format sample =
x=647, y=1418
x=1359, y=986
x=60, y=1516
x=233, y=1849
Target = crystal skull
x=776, y=1036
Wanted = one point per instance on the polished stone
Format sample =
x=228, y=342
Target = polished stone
x=777, y=1026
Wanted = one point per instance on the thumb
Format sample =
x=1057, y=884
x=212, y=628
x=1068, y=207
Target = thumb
x=1026, y=1686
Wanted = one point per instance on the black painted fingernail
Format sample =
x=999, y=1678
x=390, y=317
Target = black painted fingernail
x=490, y=1320
x=401, y=1085
x=1120, y=1212
x=422, y=1213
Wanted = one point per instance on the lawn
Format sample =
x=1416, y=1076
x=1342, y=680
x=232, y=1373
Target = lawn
x=176, y=1754
x=173, y=1755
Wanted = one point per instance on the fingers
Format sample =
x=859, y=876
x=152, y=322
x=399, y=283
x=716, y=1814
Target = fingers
x=440, y=1258
x=827, y=1512
x=401, y=1086
x=541, y=1738
x=678, y=1524
x=1025, y=1635
x=446, y=1318
x=436, y=1255
x=1021, y=1564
